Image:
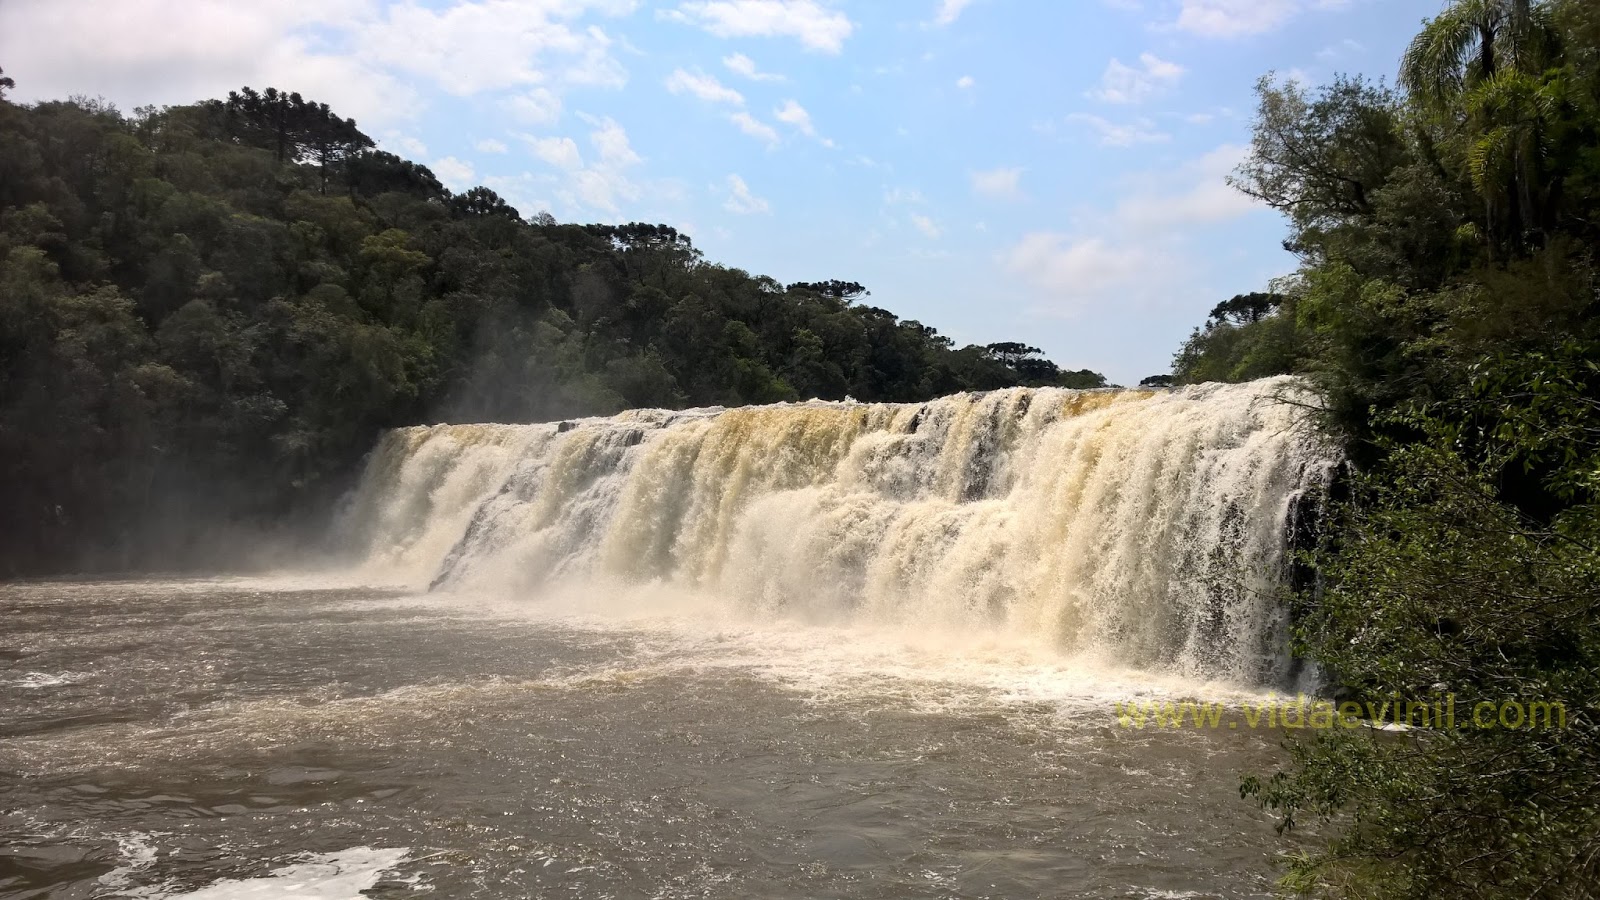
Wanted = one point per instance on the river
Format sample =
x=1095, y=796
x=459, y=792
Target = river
x=826, y=650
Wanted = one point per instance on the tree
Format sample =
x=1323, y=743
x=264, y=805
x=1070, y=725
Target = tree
x=1516, y=115
x=1245, y=309
x=266, y=119
x=1321, y=159
x=480, y=201
x=330, y=140
x=1470, y=43
x=1481, y=71
x=379, y=172
x=847, y=291
x=293, y=128
x=1025, y=361
x=1031, y=369
x=1011, y=353
x=1082, y=379
x=6, y=84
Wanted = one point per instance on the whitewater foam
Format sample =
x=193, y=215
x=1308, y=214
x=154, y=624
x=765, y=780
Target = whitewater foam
x=343, y=875
x=1144, y=529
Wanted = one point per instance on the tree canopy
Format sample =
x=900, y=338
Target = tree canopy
x=209, y=311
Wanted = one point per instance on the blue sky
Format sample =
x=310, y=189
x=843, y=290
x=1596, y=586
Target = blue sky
x=1049, y=172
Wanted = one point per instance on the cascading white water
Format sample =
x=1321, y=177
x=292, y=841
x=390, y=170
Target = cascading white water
x=1146, y=528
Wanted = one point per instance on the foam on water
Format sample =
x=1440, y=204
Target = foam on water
x=138, y=854
x=600, y=739
x=343, y=875
x=35, y=680
x=929, y=668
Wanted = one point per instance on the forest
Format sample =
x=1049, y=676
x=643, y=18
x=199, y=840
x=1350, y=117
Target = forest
x=1446, y=309
x=209, y=312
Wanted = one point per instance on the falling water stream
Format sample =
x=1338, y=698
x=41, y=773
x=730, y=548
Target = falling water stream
x=805, y=650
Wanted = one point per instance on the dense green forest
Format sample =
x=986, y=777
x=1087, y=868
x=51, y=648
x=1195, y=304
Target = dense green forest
x=1446, y=306
x=208, y=312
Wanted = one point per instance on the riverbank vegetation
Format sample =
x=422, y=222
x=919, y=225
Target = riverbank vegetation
x=208, y=312
x=1447, y=308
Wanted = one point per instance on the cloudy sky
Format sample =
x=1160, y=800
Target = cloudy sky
x=1048, y=171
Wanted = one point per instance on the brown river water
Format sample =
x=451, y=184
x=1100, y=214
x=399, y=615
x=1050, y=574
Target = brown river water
x=256, y=738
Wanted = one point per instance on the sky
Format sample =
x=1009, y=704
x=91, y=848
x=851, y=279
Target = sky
x=1002, y=170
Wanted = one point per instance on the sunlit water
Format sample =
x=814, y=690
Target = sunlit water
x=242, y=739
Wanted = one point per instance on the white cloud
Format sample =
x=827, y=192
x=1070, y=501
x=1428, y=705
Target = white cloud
x=471, y=47
x=964, y=82
x=755, y=128
x=1240, y=18
x=594, y=66
x=740, y=64
x=603, y=184
x=706, y=87
x=135, y=52
x=599, y=189
x=454, y=173
x=1122, y=83
x=490, y=145
x=1141, y=131
x=561, y=152
x=926, y=225
x=1137, y=250
x=403, y=145
x=709, y=89
x=1074, y=269
x=792, y=113
x=363, y=57
x=816, y=27
x=539, y=106
x=949, y=11
x=741, y=201
x=612, y=141
x=1346, y=47
x=898, y=196
x=1001, y=183
x=1206, y=199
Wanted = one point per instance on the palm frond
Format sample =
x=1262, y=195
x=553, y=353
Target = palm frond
x=1432, y=69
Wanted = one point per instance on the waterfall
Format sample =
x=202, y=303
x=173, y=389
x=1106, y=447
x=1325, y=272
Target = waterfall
x=1143, y=527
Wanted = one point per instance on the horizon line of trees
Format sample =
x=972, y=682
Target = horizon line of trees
x=208, y=312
